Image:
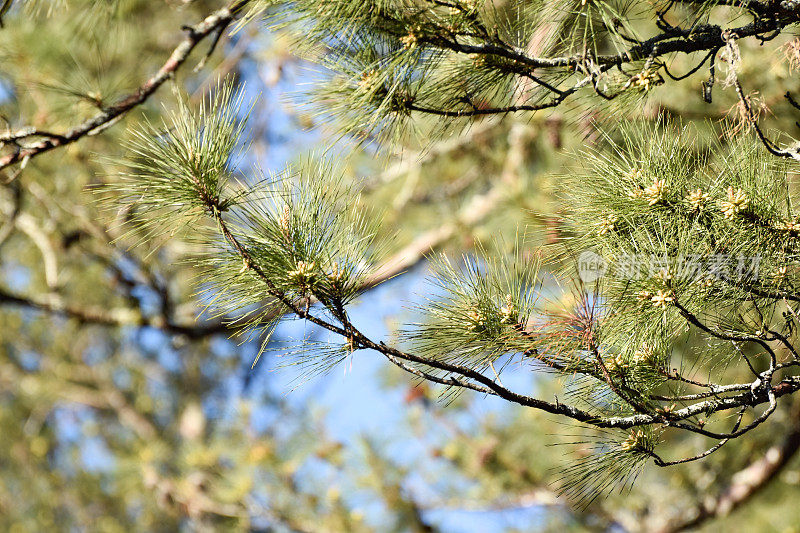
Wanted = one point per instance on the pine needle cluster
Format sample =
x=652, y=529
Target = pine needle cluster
x=478, y=310
x=707, y=234
x=391, y=59
x=266, y=247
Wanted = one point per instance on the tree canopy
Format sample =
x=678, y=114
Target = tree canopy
x=602, y=193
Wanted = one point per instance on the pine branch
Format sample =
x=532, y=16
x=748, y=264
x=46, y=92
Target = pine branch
x=211, y=25
x=359, y=340
x=744, y=485
x=708, y=38
x=394, y=62
x=756, y=396
x=296, y=241
x=119, y=317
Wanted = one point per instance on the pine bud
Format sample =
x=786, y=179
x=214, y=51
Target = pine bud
x=645, y=81
x=644, y=295
x=337, y=274
x=655, y=193
x=643, y=355
x=616, y=364
x=636, y=440
x=477, y=320
x=780, y=274
x=303, y=275
x=508, y=312
x=736, y=202
x=698, y=199
x=409, y=41
x=662, y=298
x=368, y=81
x=608, y=224
x=664, y=276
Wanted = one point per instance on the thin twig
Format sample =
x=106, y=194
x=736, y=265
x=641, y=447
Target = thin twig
x=194, y=35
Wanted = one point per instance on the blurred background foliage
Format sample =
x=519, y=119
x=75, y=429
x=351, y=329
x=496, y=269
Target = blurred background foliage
x=121, y=412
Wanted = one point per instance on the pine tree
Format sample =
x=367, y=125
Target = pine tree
x=674, y=239
x=713, y=227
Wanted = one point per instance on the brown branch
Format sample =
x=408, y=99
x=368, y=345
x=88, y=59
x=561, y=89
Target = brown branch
x=752, y=118
x=109, y=317
x=698, y=38
x=476, y=210
x=761, y=391
x=661, y=462
x=752, y=398
x=216, y=22
x=744, y=485
x=4, y=9
x=478, y=111
x=359, y=340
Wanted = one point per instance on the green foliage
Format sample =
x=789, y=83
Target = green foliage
x=177, y=170
x=294, y=236
x=117, y=402
x=310, y=234
x=613, y=461
x=249, y=248
x=666, y=216
x=475, y=312
x=307, y=239
x=460, y=59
